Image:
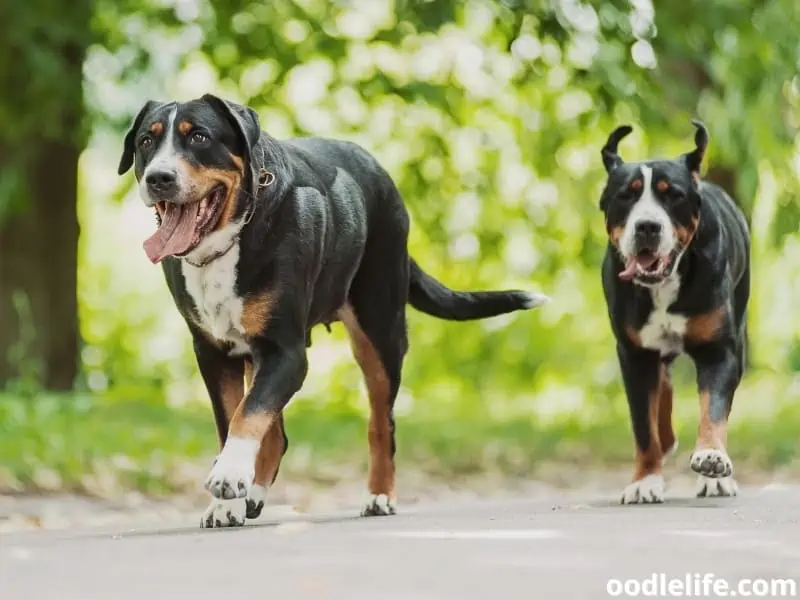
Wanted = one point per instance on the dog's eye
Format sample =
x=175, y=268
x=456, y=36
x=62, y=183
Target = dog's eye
x=198, y=138
x=146, y=142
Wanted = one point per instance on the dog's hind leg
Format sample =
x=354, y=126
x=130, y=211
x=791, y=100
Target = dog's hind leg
x=378, y=344
x=375, y=320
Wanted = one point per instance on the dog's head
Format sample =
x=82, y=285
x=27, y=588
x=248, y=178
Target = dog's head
x=192, y=162
x=652, y=208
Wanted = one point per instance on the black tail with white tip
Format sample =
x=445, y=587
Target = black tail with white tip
x=431, y=297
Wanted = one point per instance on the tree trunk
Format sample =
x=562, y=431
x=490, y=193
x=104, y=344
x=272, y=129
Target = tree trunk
x=38, y=273
x=39, y=238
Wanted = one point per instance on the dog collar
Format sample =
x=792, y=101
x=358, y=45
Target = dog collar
x=212, y=257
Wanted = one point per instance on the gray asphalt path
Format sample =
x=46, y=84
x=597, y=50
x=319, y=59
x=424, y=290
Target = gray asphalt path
x=560, y=547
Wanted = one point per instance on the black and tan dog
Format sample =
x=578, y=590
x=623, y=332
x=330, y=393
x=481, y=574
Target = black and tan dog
x=263, y=239
x=676, y=278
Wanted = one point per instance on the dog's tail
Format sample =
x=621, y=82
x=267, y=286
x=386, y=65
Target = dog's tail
x=433, y=298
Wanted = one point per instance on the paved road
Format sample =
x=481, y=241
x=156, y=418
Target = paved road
x=555, y=548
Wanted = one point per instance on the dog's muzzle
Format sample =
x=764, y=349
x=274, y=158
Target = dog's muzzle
x=647, y=236
x=162, y=185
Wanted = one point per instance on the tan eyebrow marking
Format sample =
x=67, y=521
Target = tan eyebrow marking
x=185, y=127
x=157, y=128
x=636, y=184
x=662, y=185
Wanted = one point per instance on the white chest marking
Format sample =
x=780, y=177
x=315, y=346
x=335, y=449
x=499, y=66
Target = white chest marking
x=219, y=309
x=663, y=330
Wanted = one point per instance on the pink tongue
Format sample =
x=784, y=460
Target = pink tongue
x=630, y=270
x=176, y=234
x=630, y=267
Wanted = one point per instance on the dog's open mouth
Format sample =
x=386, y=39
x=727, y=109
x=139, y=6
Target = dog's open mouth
x=182, y=226
x=646, y=267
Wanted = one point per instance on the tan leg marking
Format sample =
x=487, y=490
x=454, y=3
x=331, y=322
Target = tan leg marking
x=270, y=454
x=253, y=426
x=231, y=389
x=710, y=435
x=666, y=434
x=648, y=461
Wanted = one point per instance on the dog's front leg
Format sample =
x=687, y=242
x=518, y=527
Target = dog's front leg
x=279, y=371
x=718, y=375
x=224, y=379
x=643, y=377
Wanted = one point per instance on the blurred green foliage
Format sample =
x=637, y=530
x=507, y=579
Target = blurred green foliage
x=490, y=117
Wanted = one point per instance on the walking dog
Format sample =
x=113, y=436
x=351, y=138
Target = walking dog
x=260, y=240
x=676, y=278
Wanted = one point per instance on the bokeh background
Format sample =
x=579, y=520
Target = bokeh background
x=490, y=115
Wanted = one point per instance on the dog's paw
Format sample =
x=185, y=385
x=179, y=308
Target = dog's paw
x=378, y=505
x=224, y=513
x=710, y=462
x=255, y=501
x=708, y=487
x=229, y=481
x=233, y=471
x=648, y=490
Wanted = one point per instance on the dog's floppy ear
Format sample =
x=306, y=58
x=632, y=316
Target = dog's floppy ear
x=694, y=159
x=611, y=159
x=129, y=148
x=243, y=119
x=245, y=123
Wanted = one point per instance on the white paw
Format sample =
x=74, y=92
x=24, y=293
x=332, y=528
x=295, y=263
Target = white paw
x=255, y=501
x=233, y=472
x=648, y=490
x=708, y=487
x=378, y=505
x=711, y=463
x=224, y=513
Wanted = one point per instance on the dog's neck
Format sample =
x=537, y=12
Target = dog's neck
x=215, y=245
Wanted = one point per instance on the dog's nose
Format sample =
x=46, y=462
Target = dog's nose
x=162, y=183
x=648, y=229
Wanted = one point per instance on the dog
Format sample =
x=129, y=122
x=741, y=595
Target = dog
x=676, y=279
x=260, y=240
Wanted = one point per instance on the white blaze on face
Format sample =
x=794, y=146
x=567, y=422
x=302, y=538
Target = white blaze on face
x=648, y=209
x=165, y=159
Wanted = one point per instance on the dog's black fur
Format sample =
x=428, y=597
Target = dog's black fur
x=702, y=314
x=322, y=237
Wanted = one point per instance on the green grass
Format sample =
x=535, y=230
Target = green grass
x=101, y=445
